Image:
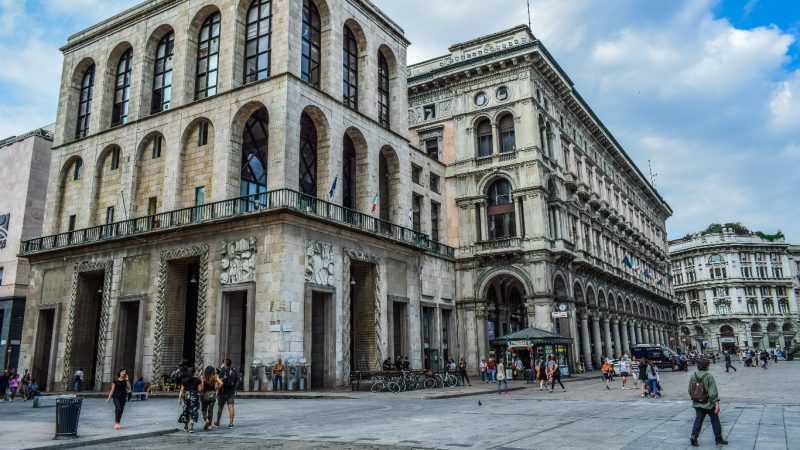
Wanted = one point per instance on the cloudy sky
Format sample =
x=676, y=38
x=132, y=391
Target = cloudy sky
x=708, y=90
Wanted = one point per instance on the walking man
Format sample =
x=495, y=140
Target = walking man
x=554, y=372
x=705, y=400
x=227, y=393
x=78, y=380
x=728, y=364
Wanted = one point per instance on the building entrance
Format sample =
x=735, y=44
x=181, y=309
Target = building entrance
x=127, y=351
x=505, y=304
x=363, y=339
x=322, y=336
x=180, y=330
x=43, y=352
x=235, y=329
x=86, y=327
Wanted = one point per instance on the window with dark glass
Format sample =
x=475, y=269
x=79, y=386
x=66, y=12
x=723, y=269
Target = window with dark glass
x=485, y=145
x=115, y=158
x=122, y=90
x=434, y=182
x=312, y=44
x=109, y=215
x=71, y=224
x=202, y=134
x=199, y=195
x=258, y=41
x=157, y=146
x=349, y=174
x=432, y=148
x=152, y=206
x=207, y=58
x=429, y=112
x=416, y=212
x=416, y=174
x=435, y=210
x=308, y=156
x=85, y=103
x=77, y=169
x=500, y=210
x=162, y=77
x=253, y=174
x=383, y=91
x=507, y=139
x=350, y=70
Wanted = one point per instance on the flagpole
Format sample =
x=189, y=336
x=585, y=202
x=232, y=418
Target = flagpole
x=530, y=23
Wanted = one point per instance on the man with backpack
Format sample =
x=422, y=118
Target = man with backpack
x=227, y=393
x=705, y=400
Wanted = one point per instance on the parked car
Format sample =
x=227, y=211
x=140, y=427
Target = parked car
x=662, y=356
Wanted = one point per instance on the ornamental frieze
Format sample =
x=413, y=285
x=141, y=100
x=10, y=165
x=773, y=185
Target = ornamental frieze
x=238, y=261
x=320, y=265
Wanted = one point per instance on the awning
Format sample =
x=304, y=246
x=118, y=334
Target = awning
x=530, y=337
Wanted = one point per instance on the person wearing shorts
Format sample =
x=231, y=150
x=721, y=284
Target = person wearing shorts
x=643, y=376
x=624, y=370
x=227, y=393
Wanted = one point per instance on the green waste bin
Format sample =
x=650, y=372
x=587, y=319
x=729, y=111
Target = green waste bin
x=68, y=413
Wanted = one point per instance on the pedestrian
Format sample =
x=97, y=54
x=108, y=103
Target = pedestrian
x=774, y=356
x=77, y=380
x=33, y=389
x=652, y=379
x=406, y=363
x=764, y=359
x=139, y=389
x=483, y=370
x=542, y=372
x=705, y=400
x=13, y=384
x=4, y=379
x=501, y=377
x=534, y=365
x=189, y=397
x=462, y=372
x=120, y=388
x=555, y=373
x=491, y=368
x=277, y=375
x=229, y=377
x=635, y=371
x=606, y=369
x=211, y=384
x=728, y=363
x=26, y=381
x=643, y=365
x=624, y=370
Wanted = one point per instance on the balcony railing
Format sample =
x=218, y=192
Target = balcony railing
x=504, y=244
x=238, y=207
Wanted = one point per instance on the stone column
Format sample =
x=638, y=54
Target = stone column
x=617, y=343
x=598, y=345
x=480, y=327
x=543, y=319
x=639, y=333
x=530, y=310
x=632, y=332
x=482, y=217
x=518, y=216
x=607, y=334
x=626, y=347
x=585, y=345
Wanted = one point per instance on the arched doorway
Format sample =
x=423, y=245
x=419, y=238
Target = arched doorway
x=727, y=338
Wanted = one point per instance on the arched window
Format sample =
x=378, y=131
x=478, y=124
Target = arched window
x=254, y=155
x=484, y=133
x=383, y=91
x=350, y=70
x=162, y=78
x=308, y=156
x=207, y=58
x=507, y=138
x=500, y=210
x=85, y=103
x=312, y=44
x=122, y=90
x=258, y=41
x=348, y=173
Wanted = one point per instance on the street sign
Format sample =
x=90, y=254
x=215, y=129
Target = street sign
x=559, y=314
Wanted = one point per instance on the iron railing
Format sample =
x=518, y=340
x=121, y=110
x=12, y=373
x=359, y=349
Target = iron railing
x=237, y=207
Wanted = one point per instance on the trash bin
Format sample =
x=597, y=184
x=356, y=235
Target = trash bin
x=68, y=412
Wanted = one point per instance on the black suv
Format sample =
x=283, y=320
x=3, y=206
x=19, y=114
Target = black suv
x=663, y=357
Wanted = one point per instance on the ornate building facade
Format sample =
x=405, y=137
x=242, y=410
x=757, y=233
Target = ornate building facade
x=24, y=165
x=735, y=291
x=554, y=225
x=232, y=178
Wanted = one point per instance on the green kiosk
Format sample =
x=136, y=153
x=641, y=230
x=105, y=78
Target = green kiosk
x=532, y=344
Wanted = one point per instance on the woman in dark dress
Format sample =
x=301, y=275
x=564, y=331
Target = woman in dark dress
x=189, y=397
x=119, y=393
x=211, y=384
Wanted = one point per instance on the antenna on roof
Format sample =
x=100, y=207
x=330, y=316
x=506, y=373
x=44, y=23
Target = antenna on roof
x=530, y=22
x=653, y=175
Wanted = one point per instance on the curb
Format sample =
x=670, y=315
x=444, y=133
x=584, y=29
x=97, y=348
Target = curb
x=469, y=394
x=81, y=443
x=246, y=396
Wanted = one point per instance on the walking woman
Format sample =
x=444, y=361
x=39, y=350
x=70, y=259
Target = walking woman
x=606, y=369
x=211, y=383
x=13, y=384
x=189, y=397
x=652, y=379
x=501, y=377
x=120, y=389
x=625, y=370
x=643, y=365
x=541, y=373
x=462, y=372
x=555, y=374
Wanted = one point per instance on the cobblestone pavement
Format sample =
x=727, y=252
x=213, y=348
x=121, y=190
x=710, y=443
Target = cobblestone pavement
x=761, y=410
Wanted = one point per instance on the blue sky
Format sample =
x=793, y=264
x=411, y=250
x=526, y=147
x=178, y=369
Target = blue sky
x=708, y=90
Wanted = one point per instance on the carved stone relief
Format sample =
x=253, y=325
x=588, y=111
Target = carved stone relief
x=238, y=262
x=320, y=265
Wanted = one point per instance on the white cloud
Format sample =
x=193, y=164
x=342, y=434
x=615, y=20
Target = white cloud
x=784, y=106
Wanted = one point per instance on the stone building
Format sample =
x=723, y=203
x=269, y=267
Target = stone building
x=547, y=211
x=734, y=290
x=232, y=178
x=24, y=168
x=794, y=255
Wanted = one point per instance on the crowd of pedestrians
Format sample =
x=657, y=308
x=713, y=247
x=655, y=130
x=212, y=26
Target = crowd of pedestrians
x=13, y=386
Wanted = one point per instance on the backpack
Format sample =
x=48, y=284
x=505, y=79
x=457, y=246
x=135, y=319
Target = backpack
x=231, y=379
x=697, y=390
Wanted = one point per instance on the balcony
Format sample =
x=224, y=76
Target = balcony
x=277, y=200
x=506, y=245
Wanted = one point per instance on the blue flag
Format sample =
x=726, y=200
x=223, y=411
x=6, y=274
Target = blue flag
x=627, y=262
x=332, y=192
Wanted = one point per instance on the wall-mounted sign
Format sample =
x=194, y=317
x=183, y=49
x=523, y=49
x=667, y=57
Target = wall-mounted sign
x=4, y=221
x=559, y=314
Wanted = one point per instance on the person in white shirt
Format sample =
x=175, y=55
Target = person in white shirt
x=625, y=370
